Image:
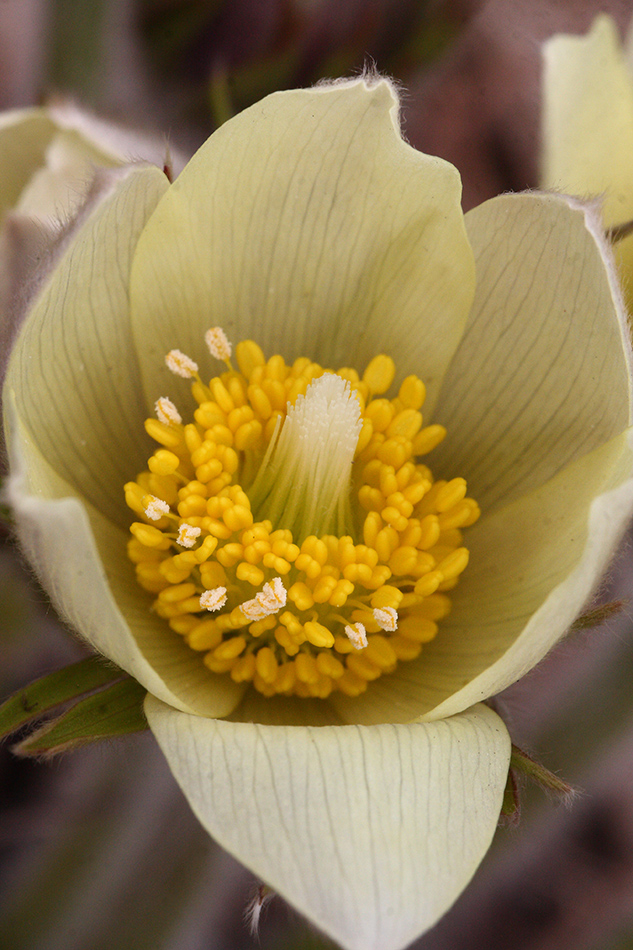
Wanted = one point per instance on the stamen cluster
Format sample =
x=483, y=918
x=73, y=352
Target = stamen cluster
x=303, y=613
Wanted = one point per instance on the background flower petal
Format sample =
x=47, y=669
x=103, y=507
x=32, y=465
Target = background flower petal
x=24, y=138
x=370, y=832
x=74, y=369
x=587, y=134
x=80, y=559
x=588, y=118
x=542, y=374
x=534, y=565
x=307, y=223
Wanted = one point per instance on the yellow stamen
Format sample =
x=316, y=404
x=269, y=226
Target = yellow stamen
x=311, y=530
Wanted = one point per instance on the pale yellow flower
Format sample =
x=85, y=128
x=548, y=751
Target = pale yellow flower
x=308, y=225
x=588, y=126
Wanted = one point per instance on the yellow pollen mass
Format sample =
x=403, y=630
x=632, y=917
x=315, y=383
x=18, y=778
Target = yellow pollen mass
x=294, y=507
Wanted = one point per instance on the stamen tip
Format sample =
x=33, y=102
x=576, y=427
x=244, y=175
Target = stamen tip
x=166, y=412
x=154, y=507
x=217, y=341
x=357, y=635
x=386, y=618
x=187, y=535
x=213, y=599
x=180, y=364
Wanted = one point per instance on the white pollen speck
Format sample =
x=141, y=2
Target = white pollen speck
x=386, y=618
x=180, y=364
x=268, y=601
x=155, y=507
x=213, y=599
x=218, y=344
x=166, y=412
x=187, y=535
x=357, y=635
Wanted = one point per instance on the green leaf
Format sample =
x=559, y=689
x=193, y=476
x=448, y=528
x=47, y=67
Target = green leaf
x=49, y=691
x=114, y=711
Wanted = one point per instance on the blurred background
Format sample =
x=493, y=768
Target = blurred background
x=97, y=848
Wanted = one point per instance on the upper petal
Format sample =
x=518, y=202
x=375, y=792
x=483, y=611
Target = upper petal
x=542, y=373
x=308, y=224
x=370, y=832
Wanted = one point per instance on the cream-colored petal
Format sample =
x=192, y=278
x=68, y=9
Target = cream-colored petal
x=588, y=126
x=307, y=223
x=534, y=565
x=542, y=374
x=24, y=138
x=80, y=559
x=74, y=369
x=588, y=118
x=370, y=832
x=57, y=189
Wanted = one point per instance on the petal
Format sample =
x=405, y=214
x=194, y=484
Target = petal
x=307, y=223
x=55, y=191
x=370, y=832
x=80, y=559
x=534, y=565
x=588, y=125
x=74, y=370
x=542, y=374
x=24, y=137
x=588, y=118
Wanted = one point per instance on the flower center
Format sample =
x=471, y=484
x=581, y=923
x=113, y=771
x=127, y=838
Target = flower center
x=288, y=533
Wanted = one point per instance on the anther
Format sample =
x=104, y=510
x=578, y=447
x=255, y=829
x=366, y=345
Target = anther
x=213, y=599
x=269, y=600
x=357, y=635
x=180, y=364
x=166, y=412
x=154, y=507
x=218, y=344
x=187, y=535
x=386, y=618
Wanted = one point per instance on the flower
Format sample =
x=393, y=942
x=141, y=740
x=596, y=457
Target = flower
x=50, y=158
x=588, y=126
x=309, y=227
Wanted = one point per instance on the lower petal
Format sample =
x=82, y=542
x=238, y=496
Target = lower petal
x=371, y=833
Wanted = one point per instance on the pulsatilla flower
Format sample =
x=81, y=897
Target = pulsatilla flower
x=588, y=127
x=375, y=459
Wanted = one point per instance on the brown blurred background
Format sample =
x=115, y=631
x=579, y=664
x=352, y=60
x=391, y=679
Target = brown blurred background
x=98, y=849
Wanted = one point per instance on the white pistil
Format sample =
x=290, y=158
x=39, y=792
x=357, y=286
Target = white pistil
x=187, y=535
x=304, y=481
x=155, y=507
x=166, y=412
x=268, y=601
x=180, y=364
x=357, y=635
x=213, y=599
x=218, y=344
x=386, y=618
